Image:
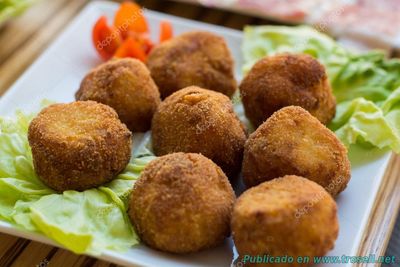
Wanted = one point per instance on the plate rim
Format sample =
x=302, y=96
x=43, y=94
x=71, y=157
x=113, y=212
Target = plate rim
x=109, y=255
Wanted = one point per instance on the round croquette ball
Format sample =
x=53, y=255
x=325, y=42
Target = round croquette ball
x=200, y=121
x=283, y=80
x=182, y=203
x=194, y=58
x=126, y=86
x=289, y=216
x=78, y=146
x=290, y=142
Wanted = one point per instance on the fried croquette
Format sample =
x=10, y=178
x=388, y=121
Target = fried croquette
x=200, y=121
x=292, y=142
x=126, y=86
x=289, y=216
x=78, y=146
x=283, y=80
x=182, y=203
x=194, y=58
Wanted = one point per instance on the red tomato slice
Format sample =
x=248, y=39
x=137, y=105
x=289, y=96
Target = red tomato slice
x=106, y=39
x=165, y=31
x=129, y=17
x=131, y=48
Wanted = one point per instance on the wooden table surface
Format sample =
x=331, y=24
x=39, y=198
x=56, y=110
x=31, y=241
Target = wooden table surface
x=23, y=39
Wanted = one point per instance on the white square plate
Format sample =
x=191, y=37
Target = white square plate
x=56, y=75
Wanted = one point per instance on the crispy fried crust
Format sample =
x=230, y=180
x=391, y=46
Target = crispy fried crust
x=286, y=216
x=193, y=58
x=292, y=141
x=182, y=203
x=126, y=86
x=283, y=80
x=200, y=121
x=78, y=146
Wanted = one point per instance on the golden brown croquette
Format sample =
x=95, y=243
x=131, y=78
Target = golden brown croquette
x=283, y=80
x=125, y=85
x=200, y=121
x=79, y=145
x=289, y=216
x=182, y=203
x=290, y=142
x=194, y=58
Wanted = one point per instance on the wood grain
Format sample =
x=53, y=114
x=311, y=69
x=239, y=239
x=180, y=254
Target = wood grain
x=383, y=216
x=64, y=258
x=13, y=67
x=33, y=254
x=6, y=242
x=21, y=29
x=25, y=37
x=13, y=252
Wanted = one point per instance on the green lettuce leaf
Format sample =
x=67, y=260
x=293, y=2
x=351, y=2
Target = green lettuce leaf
x=84, y=222
x=366, y=86
x=362, y=121
x=92, y=220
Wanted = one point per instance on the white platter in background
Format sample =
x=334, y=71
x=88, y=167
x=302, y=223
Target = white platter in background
x=56, y=75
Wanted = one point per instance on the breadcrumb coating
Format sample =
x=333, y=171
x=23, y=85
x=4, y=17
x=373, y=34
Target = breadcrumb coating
x=182, y=203
x=200, y=121
x=79, y=145
x=292, y=142
x=284, y=80
x=126, y=86
x=290, y=216
x=193, y=58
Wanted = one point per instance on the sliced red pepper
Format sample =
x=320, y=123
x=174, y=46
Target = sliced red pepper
x=106, y=39
x=131, y=48
x=165, y=31
x=129, y=17
x=130, y=35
